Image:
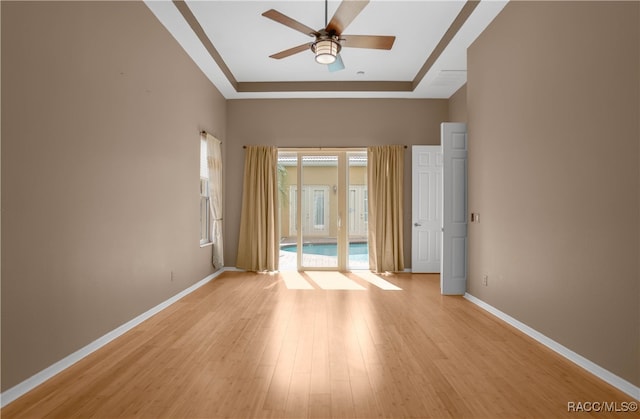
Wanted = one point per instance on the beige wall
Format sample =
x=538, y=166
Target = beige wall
x=458, y=105
x=553, y=104
x=101, y=111
x=302, y=123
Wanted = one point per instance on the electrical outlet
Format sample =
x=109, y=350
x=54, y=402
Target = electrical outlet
x=485, y=280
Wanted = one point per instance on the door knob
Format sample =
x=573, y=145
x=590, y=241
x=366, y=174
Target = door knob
x=417, y=224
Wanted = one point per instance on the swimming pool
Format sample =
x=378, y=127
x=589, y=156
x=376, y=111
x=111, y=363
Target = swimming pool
x=328, y=249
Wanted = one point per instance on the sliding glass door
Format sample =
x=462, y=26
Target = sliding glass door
x=323, y=208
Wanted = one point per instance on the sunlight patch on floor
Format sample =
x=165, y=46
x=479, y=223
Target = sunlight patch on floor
x=332, y=280
x=295, y=281
x=328, y=280
x=374, y=279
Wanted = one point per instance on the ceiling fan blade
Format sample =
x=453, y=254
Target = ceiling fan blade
x=347, y=11
x=367, y=41
x=287, y=21
x=337, y=65
x=291, y=51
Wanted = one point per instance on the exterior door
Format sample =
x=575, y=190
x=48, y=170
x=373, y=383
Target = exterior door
x=426, y=231
x=453, y=273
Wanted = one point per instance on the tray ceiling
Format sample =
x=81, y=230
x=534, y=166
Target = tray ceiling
x=231, y=42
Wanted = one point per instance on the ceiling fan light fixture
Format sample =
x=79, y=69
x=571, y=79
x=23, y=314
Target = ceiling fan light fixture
x=326, y=51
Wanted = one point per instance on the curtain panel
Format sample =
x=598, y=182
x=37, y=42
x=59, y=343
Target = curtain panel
x=258, y=245
x=385, y=177
x=214, y=163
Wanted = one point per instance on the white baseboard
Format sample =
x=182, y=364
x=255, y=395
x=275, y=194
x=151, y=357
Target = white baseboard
x=30, y=383
x=618, y=382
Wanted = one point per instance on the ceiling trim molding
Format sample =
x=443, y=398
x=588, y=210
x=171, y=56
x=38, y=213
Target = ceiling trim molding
x=206, y=42
x=326, y=86
x=458, y=22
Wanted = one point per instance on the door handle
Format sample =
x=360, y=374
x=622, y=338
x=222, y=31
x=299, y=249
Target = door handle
x=417, y=224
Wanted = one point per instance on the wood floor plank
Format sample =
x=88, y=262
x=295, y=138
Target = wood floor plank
x=297, y=404
x=320, y=377
x=320, y=405
x=245, y=345
x=365, y=404
x=341, y=399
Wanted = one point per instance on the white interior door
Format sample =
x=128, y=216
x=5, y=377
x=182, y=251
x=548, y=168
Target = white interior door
x=453, y=273
x=426, y=231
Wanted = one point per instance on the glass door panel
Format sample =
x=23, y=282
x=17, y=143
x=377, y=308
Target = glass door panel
x=288, y=195
x=358, y=254
x=318, y=209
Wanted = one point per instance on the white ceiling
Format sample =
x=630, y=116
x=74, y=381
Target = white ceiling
x=244, y=39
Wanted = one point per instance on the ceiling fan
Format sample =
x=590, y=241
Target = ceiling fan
x=330, y=40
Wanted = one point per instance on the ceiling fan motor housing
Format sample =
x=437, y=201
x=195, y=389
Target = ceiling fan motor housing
x=326, y=47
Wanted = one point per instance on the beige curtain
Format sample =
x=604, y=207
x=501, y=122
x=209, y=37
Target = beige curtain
x=385, y=173
x=214, y=162
x=258, y=247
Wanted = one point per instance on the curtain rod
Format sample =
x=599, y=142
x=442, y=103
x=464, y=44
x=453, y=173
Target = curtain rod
x=206, y=133
x=318, y=148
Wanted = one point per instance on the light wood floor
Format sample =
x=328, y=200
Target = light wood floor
x=245, y=345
